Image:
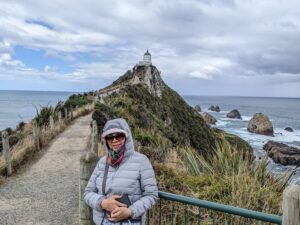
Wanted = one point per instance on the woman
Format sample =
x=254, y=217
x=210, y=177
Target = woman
x=122, y=172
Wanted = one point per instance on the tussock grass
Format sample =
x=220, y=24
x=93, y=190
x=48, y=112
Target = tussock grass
x=229, y=177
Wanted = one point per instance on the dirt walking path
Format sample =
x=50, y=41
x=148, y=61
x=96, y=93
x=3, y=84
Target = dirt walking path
x=47, y=192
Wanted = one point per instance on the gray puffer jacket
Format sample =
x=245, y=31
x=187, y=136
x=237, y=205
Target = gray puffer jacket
x=133, y=176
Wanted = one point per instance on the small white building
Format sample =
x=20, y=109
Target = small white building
x=146, y=60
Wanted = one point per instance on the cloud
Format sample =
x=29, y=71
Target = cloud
x=205, y=41
x=6, y=59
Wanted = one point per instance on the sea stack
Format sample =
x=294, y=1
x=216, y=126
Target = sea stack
x=214, y=108
x=260, y=124
x=234, y=114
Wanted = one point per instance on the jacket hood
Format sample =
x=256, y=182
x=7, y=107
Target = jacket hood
x=119, y=125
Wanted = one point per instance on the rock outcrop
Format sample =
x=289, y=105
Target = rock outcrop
x=260, y=124
x=214, y=108
x=282, y=153
x=147, y=75
x=198, y=108
x=234, y=114
x=209, y=119
x=289, y=129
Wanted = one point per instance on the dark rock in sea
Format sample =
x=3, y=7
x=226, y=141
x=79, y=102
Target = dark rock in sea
x=209, y=119
x=282, y=153
x=234, y=114
x=214, y=108
x=260, y=124
x=13, y=140
x=1, y=146
x=198, y=108
x=289, y=129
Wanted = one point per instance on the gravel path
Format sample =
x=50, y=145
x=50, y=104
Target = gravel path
x=47, y=191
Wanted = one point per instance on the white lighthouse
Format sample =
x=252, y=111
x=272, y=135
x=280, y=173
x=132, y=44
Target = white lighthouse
x=147, y=59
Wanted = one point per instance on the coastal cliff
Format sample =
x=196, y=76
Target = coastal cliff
x=188, y=155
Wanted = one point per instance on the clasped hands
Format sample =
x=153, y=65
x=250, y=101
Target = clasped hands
x=118, y=211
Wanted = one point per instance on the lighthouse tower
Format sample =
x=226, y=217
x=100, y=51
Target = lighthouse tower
x=147, y=59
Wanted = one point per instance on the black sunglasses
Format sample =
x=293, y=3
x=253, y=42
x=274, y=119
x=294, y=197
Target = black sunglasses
x=118, y=136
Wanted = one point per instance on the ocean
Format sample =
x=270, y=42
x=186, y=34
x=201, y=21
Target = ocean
x=17, y=106
x=283, y=112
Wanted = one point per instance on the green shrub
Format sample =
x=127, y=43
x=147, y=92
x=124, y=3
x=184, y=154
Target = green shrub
x=43, y=115
x=77, y=100
x=101, y=118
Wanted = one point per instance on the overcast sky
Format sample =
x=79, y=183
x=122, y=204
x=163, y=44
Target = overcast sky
x=209, y=47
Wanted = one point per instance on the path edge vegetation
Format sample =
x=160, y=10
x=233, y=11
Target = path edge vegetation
x=23, y=147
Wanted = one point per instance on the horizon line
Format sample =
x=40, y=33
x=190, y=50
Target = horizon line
x=187, y=95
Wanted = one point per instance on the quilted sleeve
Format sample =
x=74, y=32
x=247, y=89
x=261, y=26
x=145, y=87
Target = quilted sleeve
x=149, y=190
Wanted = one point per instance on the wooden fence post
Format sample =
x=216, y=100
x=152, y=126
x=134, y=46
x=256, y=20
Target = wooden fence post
x=51, y=122
x=66, y=114
x=59, y=116
x=71, y=114
x=36, y=135
x=94, y=136
x=291, y=205
x=6, y=152
x=88, y=161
